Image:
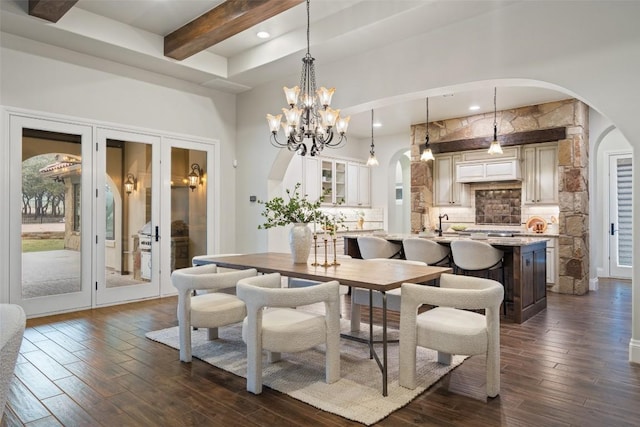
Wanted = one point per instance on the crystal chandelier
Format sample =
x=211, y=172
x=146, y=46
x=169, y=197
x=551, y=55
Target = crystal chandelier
x=372, y=161
x=309, y=116
x=426, y=153
x=495, y=147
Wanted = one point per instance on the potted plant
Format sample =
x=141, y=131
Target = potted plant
x=296, y=209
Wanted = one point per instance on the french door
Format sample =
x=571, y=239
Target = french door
x=620, y=216
x=101, y=215
x=50, y=247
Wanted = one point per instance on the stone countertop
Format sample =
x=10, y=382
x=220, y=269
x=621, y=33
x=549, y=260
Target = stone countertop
x=448, y=238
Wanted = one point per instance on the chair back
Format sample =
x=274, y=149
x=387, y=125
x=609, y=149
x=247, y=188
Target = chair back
x=474, y=255
x=428, y=251
x=377, y=247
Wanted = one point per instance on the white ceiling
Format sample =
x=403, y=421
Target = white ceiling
x=131, y=32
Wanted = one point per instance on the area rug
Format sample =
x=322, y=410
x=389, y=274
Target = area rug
x=356, y=396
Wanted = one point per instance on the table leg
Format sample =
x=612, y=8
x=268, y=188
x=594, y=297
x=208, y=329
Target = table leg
x=384, y=343
x=370, y=324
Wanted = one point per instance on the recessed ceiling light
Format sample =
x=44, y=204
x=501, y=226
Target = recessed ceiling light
x=474, y=107
x=263, y=35
x=377, y=125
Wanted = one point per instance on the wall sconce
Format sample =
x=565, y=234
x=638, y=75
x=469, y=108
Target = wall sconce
x=194, y=176
x=130, y=184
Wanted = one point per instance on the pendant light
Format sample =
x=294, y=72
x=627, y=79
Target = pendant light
x=372, y=153
x=495, y=147
x=426, y=153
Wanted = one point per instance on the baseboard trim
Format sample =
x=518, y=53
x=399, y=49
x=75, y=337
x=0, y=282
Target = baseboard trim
x=634, y=351
x=593, y=284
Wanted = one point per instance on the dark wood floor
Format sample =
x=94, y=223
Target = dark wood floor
x=567, y=366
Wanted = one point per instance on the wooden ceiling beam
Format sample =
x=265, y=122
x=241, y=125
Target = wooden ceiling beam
x=51, y=10
x=518, y=138
x=220, y=23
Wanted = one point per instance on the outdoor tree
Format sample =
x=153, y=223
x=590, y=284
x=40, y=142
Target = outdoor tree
x=40, y=195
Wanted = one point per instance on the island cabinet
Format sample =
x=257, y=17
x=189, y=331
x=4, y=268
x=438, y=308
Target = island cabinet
x=529, y=280
x=525, y=270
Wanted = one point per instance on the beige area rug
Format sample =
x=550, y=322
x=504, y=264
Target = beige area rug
x=356, y=396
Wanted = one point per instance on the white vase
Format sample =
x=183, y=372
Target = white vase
x=300, y=243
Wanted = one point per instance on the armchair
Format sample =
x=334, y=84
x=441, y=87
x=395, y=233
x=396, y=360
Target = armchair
x=281, y=328
x=208, y=310
x=448, y=329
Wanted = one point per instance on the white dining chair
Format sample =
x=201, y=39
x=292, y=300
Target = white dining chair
x=273, y=324
x=450, y=328
x=209, y=310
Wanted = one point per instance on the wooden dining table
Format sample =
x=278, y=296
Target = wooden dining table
x=374, y=276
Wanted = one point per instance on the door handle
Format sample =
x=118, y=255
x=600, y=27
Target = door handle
x=157, y=235
x=613, y=231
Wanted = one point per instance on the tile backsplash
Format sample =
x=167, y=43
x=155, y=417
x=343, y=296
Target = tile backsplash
x=501, y=207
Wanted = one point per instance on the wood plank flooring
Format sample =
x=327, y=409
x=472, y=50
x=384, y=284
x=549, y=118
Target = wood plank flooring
x=567, y=366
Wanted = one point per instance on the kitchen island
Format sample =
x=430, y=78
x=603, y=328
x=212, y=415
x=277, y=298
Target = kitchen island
x=525, y=263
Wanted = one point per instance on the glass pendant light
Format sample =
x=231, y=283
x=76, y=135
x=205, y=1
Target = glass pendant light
x=426, y=153
x=495, y=147
x=372, y=161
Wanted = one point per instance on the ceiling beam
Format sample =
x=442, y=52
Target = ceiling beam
x=220, y=23
x=518, y=138
x=51, y=10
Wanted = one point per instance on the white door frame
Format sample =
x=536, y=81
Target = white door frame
x=615, y=270
x=55, y=303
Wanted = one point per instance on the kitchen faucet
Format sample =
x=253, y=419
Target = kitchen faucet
x=440, y=223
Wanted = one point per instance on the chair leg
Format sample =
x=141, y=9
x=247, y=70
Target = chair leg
x=444, y=358
x=355, y=315
x=212, y=334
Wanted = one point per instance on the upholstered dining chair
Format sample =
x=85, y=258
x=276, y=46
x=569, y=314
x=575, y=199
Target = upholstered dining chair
x=360, y=297
x=450, y=328
x=199, y=260
x=475, y=256
x=12, y=323
x=377, y=247
x=273, y=324
x=427, y=251
x=208, y=310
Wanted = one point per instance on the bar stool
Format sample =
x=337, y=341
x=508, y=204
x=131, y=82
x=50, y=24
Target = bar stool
x=377, y=247
x=475, y=256
x=427, y=251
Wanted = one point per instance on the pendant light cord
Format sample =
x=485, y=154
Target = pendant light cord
x=426, y=125
x=308, y=26
x=372, y=146
x=495, y=114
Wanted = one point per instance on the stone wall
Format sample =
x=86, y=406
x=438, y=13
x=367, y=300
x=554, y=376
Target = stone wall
x=573, y=163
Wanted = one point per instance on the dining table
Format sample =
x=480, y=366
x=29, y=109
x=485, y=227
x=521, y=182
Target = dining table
x=378, y=276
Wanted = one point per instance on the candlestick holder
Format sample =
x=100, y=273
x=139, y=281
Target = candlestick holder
x=326, y=263
x=335, y=255
x=315, y=250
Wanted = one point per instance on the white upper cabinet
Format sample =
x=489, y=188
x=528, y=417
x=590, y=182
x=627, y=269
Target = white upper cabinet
x=333, y=175
x=540, y=174
x=446, y=190
x=358, y=184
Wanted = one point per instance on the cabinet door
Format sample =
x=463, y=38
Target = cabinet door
x=528, y=279
x=364, y=185
x=539, y=274
x=530, y=182
x=340, y=184
x=442, y=182
x=547, y=171
x=327, y=178
x=312, y=178
x=352, y=184
x=459, y=191
x=551, y=266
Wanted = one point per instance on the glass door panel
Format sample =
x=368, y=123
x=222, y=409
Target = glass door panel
x=49, y=224
x=128, y=218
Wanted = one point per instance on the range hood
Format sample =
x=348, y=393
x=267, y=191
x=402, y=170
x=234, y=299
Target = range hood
x=488, y=170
